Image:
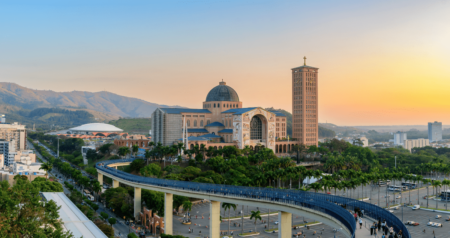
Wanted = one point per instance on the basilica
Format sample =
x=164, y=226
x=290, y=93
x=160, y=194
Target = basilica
x=222, y=121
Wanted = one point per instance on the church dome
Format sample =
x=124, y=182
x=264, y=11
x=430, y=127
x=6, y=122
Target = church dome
x=222, y=92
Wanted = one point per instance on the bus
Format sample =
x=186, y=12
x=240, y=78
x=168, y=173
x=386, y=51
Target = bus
x=90, y=197
x=395, y=188
x=410, y=185
x=86, y=192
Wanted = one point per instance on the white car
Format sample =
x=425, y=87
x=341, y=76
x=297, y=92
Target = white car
x=416, y=207
x=276, y=222
x=437, y=225
x=438, y=216
x=398, y=197
x=430, y=223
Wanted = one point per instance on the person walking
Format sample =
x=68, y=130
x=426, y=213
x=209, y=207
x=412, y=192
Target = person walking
x=356, y=216
x=379, y=225
x=362, y=213
x=360, y=223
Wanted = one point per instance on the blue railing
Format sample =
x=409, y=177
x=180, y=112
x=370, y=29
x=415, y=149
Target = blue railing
x=325, y=203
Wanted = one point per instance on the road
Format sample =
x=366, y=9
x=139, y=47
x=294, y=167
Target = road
x=120, y=227
x=199, y=225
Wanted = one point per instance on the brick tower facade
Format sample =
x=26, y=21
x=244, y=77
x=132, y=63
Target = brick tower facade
x=305, y=118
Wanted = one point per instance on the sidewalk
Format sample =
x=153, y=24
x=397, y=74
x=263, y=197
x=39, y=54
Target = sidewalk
x=365, y=231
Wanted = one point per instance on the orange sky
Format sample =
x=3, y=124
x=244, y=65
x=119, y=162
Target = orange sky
x=381, y=63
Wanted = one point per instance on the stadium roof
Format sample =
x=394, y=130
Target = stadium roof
x=72, y=218
x=96, y=127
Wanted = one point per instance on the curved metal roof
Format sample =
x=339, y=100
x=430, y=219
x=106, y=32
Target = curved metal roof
x=96, y=127
x=222, y=92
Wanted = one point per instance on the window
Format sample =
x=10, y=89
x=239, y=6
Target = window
x=218, y=104
x=195, y=123
x=226, y=123
x=188, y=123
x=256, y=128
x=223, y=122
x=208, y=122
x=229, y=123
x=201, y=123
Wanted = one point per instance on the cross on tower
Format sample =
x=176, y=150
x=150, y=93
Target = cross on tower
x=304, y=59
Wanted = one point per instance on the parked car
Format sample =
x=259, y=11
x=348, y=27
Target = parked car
x=398, y=197
x=416, y=207
x=438, y=216
x=412, y=223
x=276, y=222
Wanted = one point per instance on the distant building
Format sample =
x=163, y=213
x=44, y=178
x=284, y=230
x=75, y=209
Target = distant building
x=14, y=132
x=84, y=150
x=354, y=141
x=399, y=138
x=416, y=143
x=434, y=131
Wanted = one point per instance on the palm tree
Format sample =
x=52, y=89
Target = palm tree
x=228, y=206
x=47, y=166
x=316, y=186
x=96, y=187
x=436, y=184
x=419, y=178
x=124, y=150
x=135, y=149
x=187, y=206
x=426, y=181
x=446, y=183
x=256, y=215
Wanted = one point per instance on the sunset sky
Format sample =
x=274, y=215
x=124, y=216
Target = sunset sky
x=380, y=62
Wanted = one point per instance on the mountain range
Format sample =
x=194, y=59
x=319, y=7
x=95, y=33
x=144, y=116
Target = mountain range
x=14, y=97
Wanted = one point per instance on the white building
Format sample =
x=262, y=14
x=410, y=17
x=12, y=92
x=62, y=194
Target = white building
x=14, y=133
x=434, y=131
x=90, y=128
x=399, y=138
x=416, y=143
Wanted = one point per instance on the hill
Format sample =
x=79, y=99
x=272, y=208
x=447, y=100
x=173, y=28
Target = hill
x=133, y=125
x=21, y=98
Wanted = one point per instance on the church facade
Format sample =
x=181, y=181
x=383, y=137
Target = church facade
x=222, y=121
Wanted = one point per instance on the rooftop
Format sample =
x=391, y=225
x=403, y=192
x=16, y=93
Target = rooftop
x=239, y=111
x=215, y=124
x=222, y=92
x=73, y=219
x=185, y=110
x=96, y=127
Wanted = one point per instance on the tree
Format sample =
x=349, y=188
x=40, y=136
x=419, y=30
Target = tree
x=187, y=206
x=124, y=150
x=23, y=214
x=151, y=170
x=47, y=167
x=112, y=221
x=228, y=206
x=135, y=149
x=256, y=215
x=132, y=235
x=436, y=184
x=427, y=182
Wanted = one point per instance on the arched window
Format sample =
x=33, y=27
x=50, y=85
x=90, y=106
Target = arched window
x=195, y=123
x=208, y=122
x=201, y=123
x=226, y=138
x=256, y=128
x=214, y=105
x=213, y=133
x=229, y=123
x=218, y=104
x=226, y=123
x=188, y=123
x=223, y=122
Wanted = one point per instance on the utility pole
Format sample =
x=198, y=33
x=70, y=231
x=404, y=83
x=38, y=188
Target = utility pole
x=395, y=161
x=57, y=155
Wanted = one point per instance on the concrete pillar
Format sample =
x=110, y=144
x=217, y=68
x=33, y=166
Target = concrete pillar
x=100, y=178
x=214, y=222
x=137, y=202
x=115, y=183
x=168, y=213
x=284, y=225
